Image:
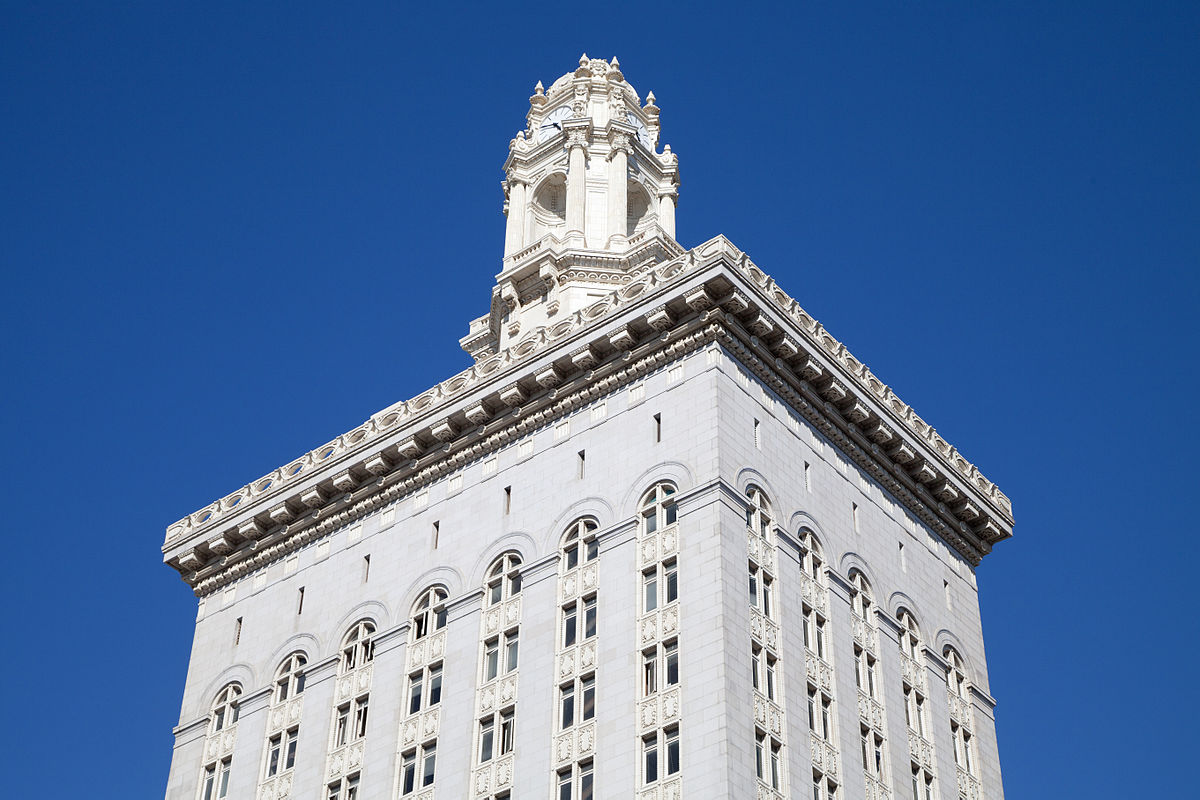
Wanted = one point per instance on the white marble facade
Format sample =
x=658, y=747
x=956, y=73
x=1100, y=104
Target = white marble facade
x=655, y=405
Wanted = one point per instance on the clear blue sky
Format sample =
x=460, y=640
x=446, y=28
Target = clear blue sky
x=231, y=233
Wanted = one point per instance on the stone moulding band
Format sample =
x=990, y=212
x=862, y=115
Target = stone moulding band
x=815, y=344
x=382, y=492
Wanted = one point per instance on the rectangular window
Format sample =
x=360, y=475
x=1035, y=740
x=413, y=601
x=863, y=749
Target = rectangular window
x=585, y=781
x=657, y=428
x=854, y=515
x=649, y=673
x=807, y=477
x=435, y=686
x=564, y=785
x=428, y=765
x=819, y=715
x=360, y=718
x=567, y=705
x=588, y=685
x=366, y=568
x=671, y=659
x=903, y=561
x=210, y=782
x=757, y=437
x=491, y=659
x=300, y=601
x=510, y=651
x=507, y=732
x=289, y=750
x=435, y=534
x=650, y=591
x=486, y=734
x=507, y=499
x=341, y=725
x=352, y=788
x=415, y=692
x=274, y=753
x=237, y=632
x=216, y=780
x=570, y=623
x=755, y=668
x=770, y=662
x=582, y=463
x=671, y=574
x=759, y=744
x=408, y=770
x=589, y=618
x=650, y=759
x=577, y=699
x=673, y=752
x=776, y=769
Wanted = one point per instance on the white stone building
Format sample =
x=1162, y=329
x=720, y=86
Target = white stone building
x=665, y=538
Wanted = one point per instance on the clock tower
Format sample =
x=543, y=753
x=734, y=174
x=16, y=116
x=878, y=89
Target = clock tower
x=590, y=201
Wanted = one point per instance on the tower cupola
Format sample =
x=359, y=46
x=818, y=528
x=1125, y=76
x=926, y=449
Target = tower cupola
x=589, y=198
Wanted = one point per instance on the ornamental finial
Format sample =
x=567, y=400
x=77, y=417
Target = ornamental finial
x=539, y=89
x=615, y=64
x=583, y=60
x=650, y=98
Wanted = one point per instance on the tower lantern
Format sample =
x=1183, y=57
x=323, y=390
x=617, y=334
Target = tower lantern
x=585, y=184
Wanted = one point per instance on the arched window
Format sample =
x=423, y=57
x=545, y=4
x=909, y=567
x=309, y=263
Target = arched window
x=762, y=583
x=912, y=672
x=811, y=560
x=758, y=513
x=429, y=613
x=956, y=674
x=225, y=707
x=289, y=678
x=960, y=715
x=860, y=591
x=910, y=635
x=579, y=543
x=637, y=209
x=504, y=578
x=358, y=647
x=658, y=508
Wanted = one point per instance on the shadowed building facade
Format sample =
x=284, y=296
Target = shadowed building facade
x=665, y=538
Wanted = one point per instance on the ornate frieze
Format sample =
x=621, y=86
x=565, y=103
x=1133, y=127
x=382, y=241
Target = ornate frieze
x=989, y=513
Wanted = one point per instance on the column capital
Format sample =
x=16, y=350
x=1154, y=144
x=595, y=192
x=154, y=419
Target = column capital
x=620, y=142
x=579, y=133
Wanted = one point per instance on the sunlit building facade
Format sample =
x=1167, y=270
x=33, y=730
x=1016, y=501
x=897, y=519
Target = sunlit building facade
x=664, y=538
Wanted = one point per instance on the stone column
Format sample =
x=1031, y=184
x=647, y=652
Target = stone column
x=514, y=231
x=666, y=212
x=618, y=188
x=577, y=141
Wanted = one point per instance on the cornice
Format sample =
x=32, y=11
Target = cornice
x=710, y=293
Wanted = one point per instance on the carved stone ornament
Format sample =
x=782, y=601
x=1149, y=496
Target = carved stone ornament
x=620, y=142
x=973, y=513
x=577, y=137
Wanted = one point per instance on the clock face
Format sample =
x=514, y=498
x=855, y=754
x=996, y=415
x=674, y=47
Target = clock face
x=552, y=122
x=643, y=134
